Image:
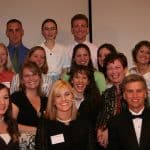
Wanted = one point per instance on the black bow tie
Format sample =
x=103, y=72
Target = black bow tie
x=136, y=116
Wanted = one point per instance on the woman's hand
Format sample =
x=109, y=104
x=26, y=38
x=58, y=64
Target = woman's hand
x=102, y=137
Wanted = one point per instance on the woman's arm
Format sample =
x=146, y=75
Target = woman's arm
x=26, y=129
x=100, y=81
x=22, y=128
x=15, y=111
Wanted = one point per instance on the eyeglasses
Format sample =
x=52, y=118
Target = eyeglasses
x=50, y=29
x=30, y=75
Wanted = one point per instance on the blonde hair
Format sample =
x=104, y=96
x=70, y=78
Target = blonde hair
x=51, y=108
x=8, y=64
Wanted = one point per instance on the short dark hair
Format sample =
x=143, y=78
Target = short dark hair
x=133, y=78
x=79, y=17
x=48, y=20
x=137, y=47
x=112, y=57
x=80, y=69
x=14, y=21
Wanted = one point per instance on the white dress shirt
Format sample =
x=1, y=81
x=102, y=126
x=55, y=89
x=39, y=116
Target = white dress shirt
x=137, y=123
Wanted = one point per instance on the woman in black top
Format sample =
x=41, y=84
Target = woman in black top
x=9, y=135
x=115, y=66
x=87, y=97
x=28, y=103
x=60, y=129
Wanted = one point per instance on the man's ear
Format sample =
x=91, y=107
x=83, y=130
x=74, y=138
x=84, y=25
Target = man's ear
x=124, y=95
x=22, y=32
x=126, y=71
x=87, y=30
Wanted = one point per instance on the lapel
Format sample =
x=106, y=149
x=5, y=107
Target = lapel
x=145, y=130
x=129, y=132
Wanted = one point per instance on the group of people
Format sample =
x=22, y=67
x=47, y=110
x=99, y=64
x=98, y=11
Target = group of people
x=75, y=97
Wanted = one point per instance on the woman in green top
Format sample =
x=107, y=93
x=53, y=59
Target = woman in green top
x=82, y=56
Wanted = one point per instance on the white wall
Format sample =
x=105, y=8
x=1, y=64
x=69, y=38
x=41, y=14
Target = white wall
x=122, y=23
x=33, y=12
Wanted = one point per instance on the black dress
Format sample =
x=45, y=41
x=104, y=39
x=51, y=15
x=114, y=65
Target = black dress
x=54, y=135
x=27, y=114
x=10, y=146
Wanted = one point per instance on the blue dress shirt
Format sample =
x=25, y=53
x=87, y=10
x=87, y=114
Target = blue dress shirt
x=22, y=52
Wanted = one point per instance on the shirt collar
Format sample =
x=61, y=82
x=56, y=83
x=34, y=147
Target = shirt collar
x=12, y=46
x=134, y=113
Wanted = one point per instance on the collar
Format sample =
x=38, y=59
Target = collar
x=84, y=42
x=134, y=113
x=12, y=46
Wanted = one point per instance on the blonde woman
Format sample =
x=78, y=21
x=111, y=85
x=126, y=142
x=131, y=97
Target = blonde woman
x=60, y=128
x=6, y=70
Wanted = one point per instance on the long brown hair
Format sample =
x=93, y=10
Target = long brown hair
x=12, y=128
x=34, y=69
x=44, y=68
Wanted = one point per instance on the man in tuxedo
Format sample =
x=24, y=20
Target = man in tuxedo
x=130, y=130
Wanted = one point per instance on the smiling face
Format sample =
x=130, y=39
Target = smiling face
x=30, y=79
x=14, y=32
x=115, y=72
x=3, y=56
x=4, y=101
x=63, y=100
x=135, y=94
x=38, y=56
x=79, y=30
x=82, y=57
x=49, y=31
x=80, y=82
x=143, y=55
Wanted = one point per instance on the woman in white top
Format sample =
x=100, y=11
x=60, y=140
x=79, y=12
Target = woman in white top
x=36, y=54
x=56, y=54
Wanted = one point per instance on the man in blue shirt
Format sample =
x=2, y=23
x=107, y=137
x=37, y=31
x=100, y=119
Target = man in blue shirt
x=17, y=50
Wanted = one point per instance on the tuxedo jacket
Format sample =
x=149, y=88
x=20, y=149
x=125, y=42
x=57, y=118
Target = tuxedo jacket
x=122, y=135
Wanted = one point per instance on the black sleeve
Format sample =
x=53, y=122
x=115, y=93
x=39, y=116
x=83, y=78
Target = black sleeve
x=41, y=142
x=91, y=139
x=16, y=98
x=43, y=103
x=112, y=135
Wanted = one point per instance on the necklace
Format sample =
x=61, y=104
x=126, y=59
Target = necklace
x=2, y=119
x=64, y=121
x=79, y=98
